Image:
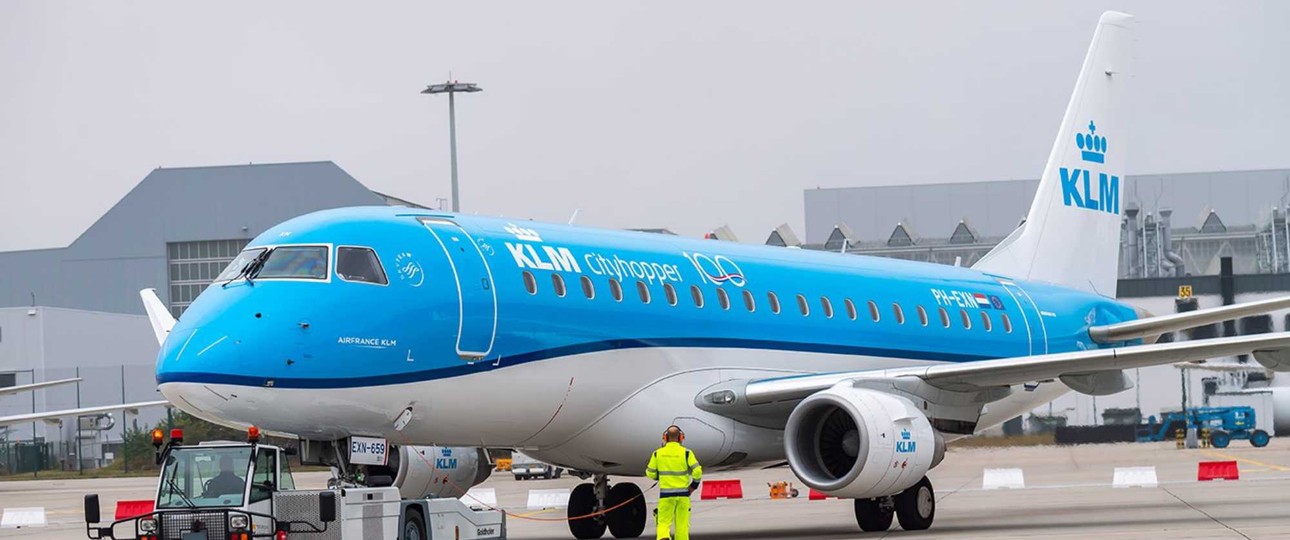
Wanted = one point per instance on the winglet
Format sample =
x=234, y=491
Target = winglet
x=158, y=315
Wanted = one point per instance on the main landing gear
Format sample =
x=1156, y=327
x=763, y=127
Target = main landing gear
x=626, y=520
x=914, y=508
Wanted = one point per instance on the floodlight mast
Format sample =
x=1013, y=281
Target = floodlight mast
x=451, y=88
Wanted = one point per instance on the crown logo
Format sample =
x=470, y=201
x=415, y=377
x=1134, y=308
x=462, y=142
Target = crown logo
x=523, y=233
x=904, y=434
x=1091, y=145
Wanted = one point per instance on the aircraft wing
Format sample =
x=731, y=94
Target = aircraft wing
x=10, y=390
x=1270, y=350
x=1150, y=327
x=57, y=416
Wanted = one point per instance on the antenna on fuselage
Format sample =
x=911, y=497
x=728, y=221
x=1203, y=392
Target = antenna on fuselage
x=574, y=217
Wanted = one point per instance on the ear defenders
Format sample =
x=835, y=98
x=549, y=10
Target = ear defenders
x=678, y=429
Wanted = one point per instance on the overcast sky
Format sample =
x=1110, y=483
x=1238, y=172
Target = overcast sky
x=686, y=115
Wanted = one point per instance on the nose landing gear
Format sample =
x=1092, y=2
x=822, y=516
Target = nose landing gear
x=625, y=502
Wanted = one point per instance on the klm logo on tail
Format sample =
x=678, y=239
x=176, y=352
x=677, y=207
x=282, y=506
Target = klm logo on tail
x=1077, y=184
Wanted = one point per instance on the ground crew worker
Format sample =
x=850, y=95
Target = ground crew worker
x=678, y=475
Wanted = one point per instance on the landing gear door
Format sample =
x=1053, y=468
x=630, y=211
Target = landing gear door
x=476, y=296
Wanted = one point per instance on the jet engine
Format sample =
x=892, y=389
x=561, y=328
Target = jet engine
x=858, y=443
x=438, y=471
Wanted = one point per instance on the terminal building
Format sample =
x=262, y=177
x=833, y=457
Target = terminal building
x=75, y=311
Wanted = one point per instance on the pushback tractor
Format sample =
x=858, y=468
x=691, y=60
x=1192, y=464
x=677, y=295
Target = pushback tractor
x=245, y=491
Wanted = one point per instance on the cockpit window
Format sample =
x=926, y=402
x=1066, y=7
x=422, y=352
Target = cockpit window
x=294, y=262
x=234, y=269
x=359, y=264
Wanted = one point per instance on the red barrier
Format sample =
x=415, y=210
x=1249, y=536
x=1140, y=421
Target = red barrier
x=129, y=509
x=818, y=496
x=722, y=489
x=1217, y=470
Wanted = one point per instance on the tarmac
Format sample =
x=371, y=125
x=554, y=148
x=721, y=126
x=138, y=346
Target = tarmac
x=1068, y=493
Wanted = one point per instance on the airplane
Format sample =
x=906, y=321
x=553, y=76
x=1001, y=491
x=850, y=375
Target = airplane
x=579, y=345
x=56, y=417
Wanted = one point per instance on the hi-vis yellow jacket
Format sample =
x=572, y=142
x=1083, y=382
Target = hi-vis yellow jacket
x=675, y=469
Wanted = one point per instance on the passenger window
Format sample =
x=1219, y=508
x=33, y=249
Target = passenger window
x=827, y=306
x=873, y=311
x=697, y=294
x=803, y=306
x=643, y=290
x=616, y=290
x=749, y=302
x=967, y=319
x=851, y=308
x=723, y=298
x=588, y=288
x=922, y=315
x=530, y=283
x=1007, y=323
x=671, y=294
x=360, y=265
x=945, y=317
x=774, y=302
x=900, y=313
x=985, y=321
x=557, y=281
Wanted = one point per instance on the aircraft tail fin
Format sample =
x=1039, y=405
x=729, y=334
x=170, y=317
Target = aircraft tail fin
x=1071, y=236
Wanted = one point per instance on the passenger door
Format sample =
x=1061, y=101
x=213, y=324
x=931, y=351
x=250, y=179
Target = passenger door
x=1031, y=317
x=476, y=297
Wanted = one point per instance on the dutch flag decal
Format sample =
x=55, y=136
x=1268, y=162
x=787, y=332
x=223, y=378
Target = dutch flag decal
x=981, y=300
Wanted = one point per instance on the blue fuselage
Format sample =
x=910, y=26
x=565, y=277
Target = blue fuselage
x=470, y=295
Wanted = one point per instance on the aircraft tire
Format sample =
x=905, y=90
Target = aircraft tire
x=627, y=521
x=582, y=501
x=871, y=516
x=916, y=506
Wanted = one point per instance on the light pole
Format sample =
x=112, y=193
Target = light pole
x=451, y=88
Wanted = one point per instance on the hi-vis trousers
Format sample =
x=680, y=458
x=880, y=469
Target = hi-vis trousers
x=673, y=510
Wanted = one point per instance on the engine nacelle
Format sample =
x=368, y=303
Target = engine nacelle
x=438, y=471
x=857, y=443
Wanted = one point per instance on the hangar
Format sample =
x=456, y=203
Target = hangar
x=75, y=311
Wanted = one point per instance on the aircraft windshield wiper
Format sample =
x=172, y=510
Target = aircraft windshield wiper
x=251, y=269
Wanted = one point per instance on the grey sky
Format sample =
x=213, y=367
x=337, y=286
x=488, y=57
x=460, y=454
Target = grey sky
x=680, y=114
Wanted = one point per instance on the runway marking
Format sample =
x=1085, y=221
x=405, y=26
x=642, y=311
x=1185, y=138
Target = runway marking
x=1246, y=460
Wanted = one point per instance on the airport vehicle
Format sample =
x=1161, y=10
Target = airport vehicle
x=240, y=491
x=418, y=326
x=525, y=467
x=1224, y=425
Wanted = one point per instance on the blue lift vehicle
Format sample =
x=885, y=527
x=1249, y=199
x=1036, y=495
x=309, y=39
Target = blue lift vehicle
x=1223, y=423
